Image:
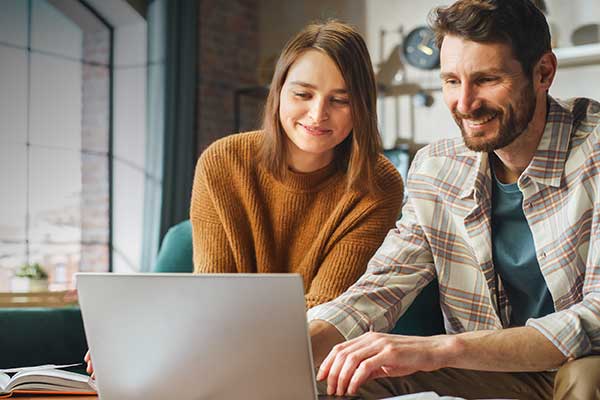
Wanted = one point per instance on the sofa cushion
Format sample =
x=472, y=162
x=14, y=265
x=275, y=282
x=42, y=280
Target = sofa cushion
x=34, y=336
x=176, y=253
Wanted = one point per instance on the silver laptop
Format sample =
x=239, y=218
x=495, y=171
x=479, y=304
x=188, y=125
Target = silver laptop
x=185, y=336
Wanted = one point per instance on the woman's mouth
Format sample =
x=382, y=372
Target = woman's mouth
x=315, y=130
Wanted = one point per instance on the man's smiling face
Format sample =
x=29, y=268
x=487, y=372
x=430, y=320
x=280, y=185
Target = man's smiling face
x=487, y=92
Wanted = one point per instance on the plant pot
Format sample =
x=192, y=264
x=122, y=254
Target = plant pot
x=20, y=284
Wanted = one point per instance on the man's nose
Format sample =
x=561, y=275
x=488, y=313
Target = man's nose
x=468, y=100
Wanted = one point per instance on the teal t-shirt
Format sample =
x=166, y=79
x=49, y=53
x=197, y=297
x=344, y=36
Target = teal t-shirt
x=514, y=256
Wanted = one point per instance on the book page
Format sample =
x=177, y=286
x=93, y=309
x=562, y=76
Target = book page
x=59, y=380
x=38, y=367
x=4, y=379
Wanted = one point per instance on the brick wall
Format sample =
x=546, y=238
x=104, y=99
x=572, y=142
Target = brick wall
x=94, y=162
x=227, y=60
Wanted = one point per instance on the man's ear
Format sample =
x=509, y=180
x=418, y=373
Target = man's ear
x=545, y=70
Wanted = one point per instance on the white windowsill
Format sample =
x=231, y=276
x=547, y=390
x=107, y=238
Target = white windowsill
x=576, y=56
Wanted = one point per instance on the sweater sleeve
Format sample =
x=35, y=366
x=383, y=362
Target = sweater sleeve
x=347, y=260
x=212, y=251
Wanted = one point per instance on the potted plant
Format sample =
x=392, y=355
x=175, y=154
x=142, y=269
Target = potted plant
x=30, y=278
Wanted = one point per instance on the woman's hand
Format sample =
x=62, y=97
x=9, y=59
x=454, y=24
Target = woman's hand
x=90, y=368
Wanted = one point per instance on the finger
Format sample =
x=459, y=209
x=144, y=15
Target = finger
x=333, y=371
x=325, y=366
x=90, y=368
x=370, y=368
x=86, y=358
x=338, y=363
x=353, y=361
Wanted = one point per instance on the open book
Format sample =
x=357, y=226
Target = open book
x=45, y=381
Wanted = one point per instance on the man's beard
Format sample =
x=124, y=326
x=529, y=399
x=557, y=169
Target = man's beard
x=512, y=123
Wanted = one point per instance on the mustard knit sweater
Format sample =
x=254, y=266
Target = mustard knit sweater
x=244, y=220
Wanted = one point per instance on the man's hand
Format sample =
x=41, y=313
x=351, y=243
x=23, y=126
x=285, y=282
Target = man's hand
x=375, y=355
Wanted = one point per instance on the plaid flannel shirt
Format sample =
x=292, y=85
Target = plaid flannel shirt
x=445, y=233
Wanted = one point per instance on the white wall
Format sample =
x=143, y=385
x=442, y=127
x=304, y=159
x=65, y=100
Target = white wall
x=431, y=123
x=564, y=17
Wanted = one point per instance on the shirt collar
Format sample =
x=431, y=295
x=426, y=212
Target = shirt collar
x=478, y=176
x=548, y=163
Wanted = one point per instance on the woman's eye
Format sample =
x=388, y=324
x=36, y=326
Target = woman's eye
x=340, y=100
x=301, y=95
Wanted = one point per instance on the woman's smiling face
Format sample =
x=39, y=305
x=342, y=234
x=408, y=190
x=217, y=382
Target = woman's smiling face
x=314, y=111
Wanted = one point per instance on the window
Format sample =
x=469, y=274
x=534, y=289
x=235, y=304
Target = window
x=55, y=106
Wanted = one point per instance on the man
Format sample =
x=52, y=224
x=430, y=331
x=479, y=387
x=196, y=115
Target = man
x=506, y=219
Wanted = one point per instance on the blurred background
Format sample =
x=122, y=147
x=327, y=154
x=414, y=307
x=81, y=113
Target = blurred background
x=105, y=106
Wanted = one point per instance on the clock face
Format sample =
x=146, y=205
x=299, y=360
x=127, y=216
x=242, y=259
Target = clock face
x=420, y=50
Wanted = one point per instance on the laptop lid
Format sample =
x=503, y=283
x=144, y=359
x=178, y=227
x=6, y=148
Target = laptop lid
x=186, y=336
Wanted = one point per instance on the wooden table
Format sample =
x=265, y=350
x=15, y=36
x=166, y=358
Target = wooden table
x=51, y=397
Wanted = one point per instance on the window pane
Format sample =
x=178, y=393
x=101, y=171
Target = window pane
x=60, y=261
x=52, y=31
x=13, y=95
x=13, y=191
x=128, y=204
x=13, y=23
x=55, y=102
x=95, y=108
x=12, y=255
x=55, y=196
x=130, y=116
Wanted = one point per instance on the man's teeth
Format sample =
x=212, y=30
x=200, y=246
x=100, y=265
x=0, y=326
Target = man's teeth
x=481, y=121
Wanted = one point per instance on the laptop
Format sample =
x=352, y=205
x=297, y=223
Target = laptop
x=186, y=336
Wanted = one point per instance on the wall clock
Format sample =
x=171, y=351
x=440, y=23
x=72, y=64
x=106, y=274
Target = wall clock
x=420, y=50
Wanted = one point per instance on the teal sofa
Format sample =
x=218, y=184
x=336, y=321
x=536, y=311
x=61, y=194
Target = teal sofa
x=32, y=336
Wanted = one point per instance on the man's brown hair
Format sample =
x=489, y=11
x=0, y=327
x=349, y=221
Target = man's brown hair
x=358, y=153
x=518, y=23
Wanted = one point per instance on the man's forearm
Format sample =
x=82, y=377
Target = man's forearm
x=323, y=336
x=374, y=355
x=514, y=349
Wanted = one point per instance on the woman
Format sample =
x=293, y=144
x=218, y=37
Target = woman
x=310, y=193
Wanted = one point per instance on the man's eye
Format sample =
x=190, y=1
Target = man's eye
x=488, y=79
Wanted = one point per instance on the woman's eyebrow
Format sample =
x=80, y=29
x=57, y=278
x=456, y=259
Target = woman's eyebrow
x=311, y=86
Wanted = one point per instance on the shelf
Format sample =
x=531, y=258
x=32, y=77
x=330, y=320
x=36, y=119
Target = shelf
x=588, y=54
